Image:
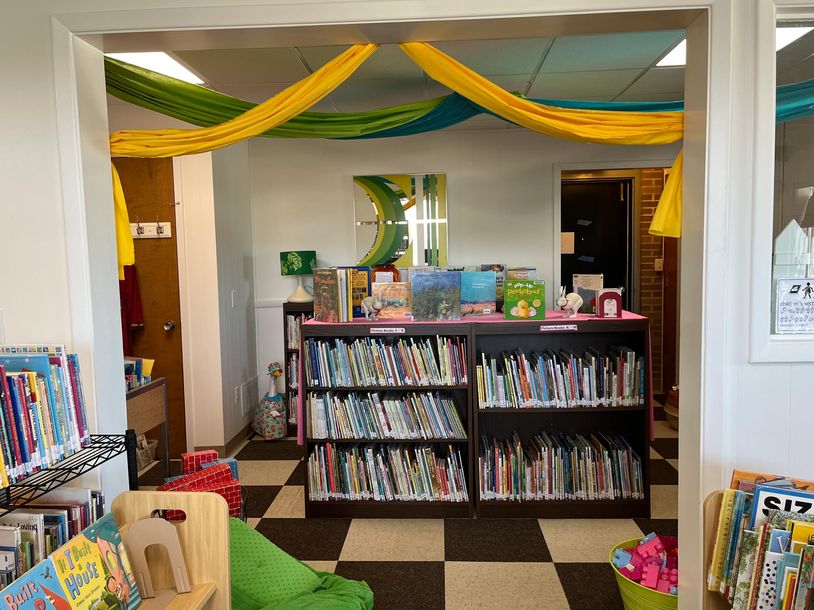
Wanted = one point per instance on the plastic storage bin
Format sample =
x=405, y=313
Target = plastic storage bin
x=634, y=595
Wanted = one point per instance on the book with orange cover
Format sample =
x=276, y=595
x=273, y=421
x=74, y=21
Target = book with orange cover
x=747, y=481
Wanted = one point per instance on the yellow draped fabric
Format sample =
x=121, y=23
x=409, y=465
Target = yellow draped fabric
x=667, y=217
x=273, y=112
x=597, y=126
x=125, y=251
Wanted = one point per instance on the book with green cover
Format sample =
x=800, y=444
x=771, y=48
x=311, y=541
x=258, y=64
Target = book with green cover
x=436, y=296
x=524, y=300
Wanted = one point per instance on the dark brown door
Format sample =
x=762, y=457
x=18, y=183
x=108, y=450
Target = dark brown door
x=148, y=190
x=669, y=359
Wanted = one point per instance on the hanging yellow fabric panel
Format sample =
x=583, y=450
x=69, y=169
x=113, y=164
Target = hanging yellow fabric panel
x=273, y=112
x=667, y=217
x=125, y=250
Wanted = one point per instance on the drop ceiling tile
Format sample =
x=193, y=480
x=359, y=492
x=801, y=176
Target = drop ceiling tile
x=508, y=56
x=609, y=51
x=371, y=94
x=659, y=80
x=386, y=62
x=579, y=85
x=244, y=66
x=651, y=97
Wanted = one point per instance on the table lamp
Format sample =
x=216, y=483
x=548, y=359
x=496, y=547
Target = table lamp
x=299, y=263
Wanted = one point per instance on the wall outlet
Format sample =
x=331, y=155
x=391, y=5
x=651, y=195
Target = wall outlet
x=249, y=398
x=659, y=264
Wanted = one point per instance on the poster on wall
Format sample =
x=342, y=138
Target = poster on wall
x=795, y=306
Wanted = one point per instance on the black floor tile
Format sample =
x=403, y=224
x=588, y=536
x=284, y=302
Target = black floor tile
x=662, y=473
x=663, y=527
x=298, y=476
x=589, y=586
x=282, y=449
x=494, y=540
x=400, y=584
x=258, y=498
x=658, y=413
x=320, y=539
x=666, y=447
x=155, y=476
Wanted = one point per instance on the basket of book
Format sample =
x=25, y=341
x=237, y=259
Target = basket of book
x=644, y=583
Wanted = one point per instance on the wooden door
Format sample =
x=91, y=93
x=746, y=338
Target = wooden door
x=670, y=324
x=148, y=190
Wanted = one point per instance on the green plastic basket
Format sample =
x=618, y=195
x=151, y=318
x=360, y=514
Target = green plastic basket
x=636, y=596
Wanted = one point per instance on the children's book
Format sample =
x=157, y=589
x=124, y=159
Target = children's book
x=394, y=297
x=768, y=497
x=521, y=273
x=804, y=597
x=32, y=535
x=801, y=535
x=500, y=280
x=478, y=290
x=326, y=295
x=10, y=554
x=747, y=481
x=588, y=285
x=360, y=280
x=743, y=582
x=524, y=300
x=435, y=296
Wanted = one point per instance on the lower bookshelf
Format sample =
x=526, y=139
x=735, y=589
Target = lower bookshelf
x=368, y=509
x=575, y=509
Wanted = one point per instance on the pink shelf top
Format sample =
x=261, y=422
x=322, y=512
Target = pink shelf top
x=553, y=316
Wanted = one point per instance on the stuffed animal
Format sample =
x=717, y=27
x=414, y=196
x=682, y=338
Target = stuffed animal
x=269, y=418
x=570, y=303
x=371, y=308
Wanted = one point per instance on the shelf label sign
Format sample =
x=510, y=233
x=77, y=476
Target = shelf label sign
x=557, y=327
x=387, y=330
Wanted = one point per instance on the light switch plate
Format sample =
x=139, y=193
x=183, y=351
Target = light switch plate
x=659, y=266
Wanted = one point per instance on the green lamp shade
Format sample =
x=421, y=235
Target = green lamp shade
x=298, y=262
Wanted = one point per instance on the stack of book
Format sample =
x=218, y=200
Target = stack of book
x=763, y=556
x=340, y=363
x=293, y=325
x=42, y=409
x=29, y=535
x=416, y=415
x=385, y=473
x=615, y=378
x=554, y=466
x=339, y=292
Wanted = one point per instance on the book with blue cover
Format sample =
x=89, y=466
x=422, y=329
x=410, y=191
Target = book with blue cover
x=478, y=292
x=768, y=497
x=436, y=296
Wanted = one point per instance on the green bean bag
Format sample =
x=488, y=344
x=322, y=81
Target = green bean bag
x=264, y=577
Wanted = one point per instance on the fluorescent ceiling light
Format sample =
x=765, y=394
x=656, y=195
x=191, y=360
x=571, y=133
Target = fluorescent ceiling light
x=158, y=62
x=784, y=37
x=676, y=57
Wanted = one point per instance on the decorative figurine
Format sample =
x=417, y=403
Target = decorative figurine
x=269, y=419
x=371, y=308
x=570, y=303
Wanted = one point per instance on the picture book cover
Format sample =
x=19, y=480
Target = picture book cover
x=804, y=598
x=747, y=481
x=588, y=285
x=521, y=273
x=360, y=288
x=326, y=295
x=524, y=300
x=768, y=497
x=394, y=297
x=500, y=280
x=436, y=296
x=478, y=290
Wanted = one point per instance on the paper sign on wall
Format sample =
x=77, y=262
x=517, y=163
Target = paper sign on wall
x=795, y=306
x=567, y=242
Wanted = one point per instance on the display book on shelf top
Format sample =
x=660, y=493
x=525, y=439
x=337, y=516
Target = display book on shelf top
x=494, y=334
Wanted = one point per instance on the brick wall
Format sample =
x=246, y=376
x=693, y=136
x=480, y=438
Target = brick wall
x=651, y=281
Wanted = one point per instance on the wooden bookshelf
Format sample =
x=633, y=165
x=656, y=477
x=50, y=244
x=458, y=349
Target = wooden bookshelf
x=491, y=334
x=290, y=394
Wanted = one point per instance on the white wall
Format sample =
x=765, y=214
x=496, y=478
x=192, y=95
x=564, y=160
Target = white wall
x=499, y=192
x=233, y=229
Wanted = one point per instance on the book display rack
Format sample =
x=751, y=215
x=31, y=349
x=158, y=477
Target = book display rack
x=570, y=439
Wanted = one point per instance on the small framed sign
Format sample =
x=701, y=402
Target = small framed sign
x=794, y=312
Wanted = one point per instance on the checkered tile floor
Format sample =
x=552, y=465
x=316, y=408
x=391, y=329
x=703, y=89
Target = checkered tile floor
x=452, y=563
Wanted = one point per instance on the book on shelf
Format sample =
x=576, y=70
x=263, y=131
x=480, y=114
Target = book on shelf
x=763, y=547
x=435, y=296
x=394, y=297
x=549, y=379
x=382, y=473
x=292, y=371
x=411, y=361
x=89, y=572
x=326, y=296
x=359, y=279
x=524, y=300
x=588, y=285
x=558, y=466
x=293, y=328
x=500, y=280
x=370, y=416
x=478, y=292
x=521, y=273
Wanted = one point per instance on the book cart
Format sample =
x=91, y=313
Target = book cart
x=633, y=422
x=491, y=334
x=391, y=330
x=297, y=310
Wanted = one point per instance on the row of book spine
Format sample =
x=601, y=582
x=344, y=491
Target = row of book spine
x=293, y=326
x=555, y=466
x=42, y=409
x=386, y=473
x=615, y=378
x=369, y=416
x=377, y=362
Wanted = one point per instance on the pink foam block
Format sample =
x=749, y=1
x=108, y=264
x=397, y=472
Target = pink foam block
x=650, y=548
x=671, y=563
x=650, y=576
x=633, y=570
